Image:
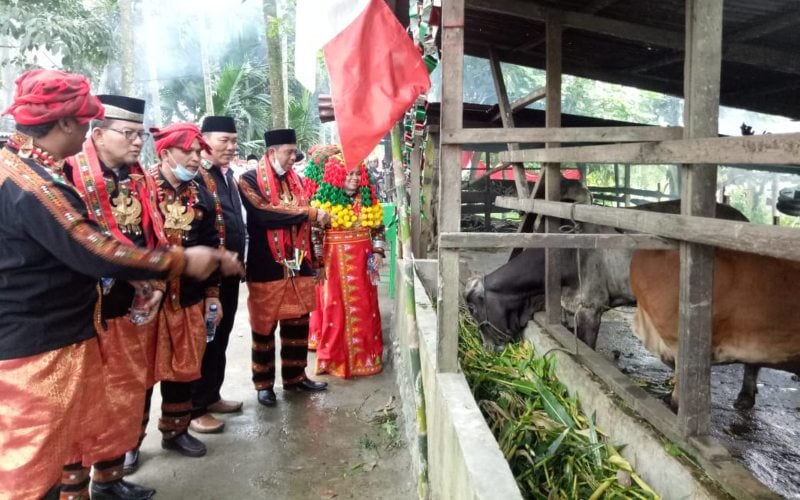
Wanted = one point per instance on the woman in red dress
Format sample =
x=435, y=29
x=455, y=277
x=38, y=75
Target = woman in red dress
x=346, y=327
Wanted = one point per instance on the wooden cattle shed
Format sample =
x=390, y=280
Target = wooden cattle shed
x=737, y=53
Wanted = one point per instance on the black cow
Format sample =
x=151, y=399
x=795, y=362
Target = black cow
x=503, y=301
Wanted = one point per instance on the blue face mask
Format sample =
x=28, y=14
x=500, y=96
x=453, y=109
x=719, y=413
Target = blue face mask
x=182, y=173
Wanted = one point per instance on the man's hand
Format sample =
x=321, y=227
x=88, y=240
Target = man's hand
x=230, y=264
x=208, y=302
x=201, y=261
x=154, y=305
x=146, y=289
x=323, y=217
x=320, y=276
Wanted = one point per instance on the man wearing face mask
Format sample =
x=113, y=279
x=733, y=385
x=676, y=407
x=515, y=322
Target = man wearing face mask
x=189, y=216
x=216, y=175
x=51, y=258
x=280, y=275
x=117, y=193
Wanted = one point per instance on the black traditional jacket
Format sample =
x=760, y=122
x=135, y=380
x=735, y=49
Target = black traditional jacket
x=261, y=217
x=188, y=215
x=227, y=193
x=51, y=257
x=117, y=302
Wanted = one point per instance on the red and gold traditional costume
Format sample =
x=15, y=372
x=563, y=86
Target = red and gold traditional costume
x=188, y=214
x=123, y=204
x=51, y=258
x=346, y=327
x=279, y=270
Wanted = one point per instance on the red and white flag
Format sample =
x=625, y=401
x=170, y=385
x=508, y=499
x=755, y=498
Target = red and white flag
x=376, y=71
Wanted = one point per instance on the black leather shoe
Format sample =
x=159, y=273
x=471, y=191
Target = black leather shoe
x=53, y=493
x=131, y=461
x=185, y=444
x=307, y=385
x=267, y=397
x=120, y=490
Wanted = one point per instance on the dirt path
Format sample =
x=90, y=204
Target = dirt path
x=343, y=443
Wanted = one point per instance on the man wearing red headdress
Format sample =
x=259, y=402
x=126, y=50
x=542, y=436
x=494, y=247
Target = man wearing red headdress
x=188, y=214
x=120, y=196
x=51, y=258
x=280, y=275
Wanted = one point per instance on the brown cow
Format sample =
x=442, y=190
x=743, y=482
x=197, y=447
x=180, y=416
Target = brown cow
x=755, y=316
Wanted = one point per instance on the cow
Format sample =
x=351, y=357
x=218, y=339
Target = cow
x=755, y=311
x=503, y=301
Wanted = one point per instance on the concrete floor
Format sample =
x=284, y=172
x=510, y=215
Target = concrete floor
x=309, y=446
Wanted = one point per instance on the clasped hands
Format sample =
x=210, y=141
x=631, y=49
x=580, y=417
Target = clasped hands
x=201, y=261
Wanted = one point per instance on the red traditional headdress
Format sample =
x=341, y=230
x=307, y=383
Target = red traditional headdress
x=178, y=135
x=45, y=95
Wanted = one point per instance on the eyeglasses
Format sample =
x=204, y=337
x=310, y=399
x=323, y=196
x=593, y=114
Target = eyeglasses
x=131, y=135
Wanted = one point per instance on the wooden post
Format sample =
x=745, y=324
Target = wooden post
x=416, y=177
x=487, y=207
x=553, y=170
x=450, y=183
x=698, y=182
x=507, y=116
x=429, y=167
x=616, y=181
x=627, y=184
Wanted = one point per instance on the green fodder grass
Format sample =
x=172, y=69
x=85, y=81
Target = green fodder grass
x=554, y=450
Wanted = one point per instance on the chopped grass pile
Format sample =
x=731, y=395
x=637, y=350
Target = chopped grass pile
x=554, y=450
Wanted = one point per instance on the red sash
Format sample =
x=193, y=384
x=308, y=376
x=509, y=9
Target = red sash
x=282, y=242
x=90, y=183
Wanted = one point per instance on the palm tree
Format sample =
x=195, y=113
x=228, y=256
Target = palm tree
x=239, y=91
x=304, y=119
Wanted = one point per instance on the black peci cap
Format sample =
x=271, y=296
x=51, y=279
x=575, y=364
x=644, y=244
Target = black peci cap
x=299, y=156
x=252, y=157
x=280, y=136
x=218, y=124
x=119, y=107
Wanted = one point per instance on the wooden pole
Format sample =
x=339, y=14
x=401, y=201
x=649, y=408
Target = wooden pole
x=507, y=116
x=627, y=184
x=552, y=171
x=701, y=119
x=415, y=180
x=450, y=183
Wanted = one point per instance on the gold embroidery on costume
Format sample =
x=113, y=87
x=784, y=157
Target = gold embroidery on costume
x=177, y=217
x=287, y=198
x=127, y=211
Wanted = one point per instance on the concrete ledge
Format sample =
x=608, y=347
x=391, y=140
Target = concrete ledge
x=464, y=460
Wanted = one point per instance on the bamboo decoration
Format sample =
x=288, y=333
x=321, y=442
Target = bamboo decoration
x=407, y=291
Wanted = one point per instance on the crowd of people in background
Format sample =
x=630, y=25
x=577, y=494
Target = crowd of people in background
x=117, y=276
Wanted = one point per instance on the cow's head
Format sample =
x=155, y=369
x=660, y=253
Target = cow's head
x=501, y=316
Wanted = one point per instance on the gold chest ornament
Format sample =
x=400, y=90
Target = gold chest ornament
x=177, y=216
x=127, y=211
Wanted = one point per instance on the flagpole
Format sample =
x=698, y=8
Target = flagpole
x=407, y=281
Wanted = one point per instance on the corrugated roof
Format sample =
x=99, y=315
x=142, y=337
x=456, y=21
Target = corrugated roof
x=761, y=42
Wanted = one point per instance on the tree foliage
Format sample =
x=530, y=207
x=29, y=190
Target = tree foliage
x=80, y=37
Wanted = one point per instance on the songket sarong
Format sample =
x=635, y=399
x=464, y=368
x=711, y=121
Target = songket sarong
x=347, y=323
x=181, y=343
x=51, y=413
x=126, y=367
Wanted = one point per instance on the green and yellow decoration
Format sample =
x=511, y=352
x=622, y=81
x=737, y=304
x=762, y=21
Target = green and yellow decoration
x=325, y=174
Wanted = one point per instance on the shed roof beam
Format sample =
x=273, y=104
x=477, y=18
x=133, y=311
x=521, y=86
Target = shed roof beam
x=743, y=53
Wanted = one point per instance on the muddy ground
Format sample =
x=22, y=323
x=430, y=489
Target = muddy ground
x=764, y=438
x=346, y=443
